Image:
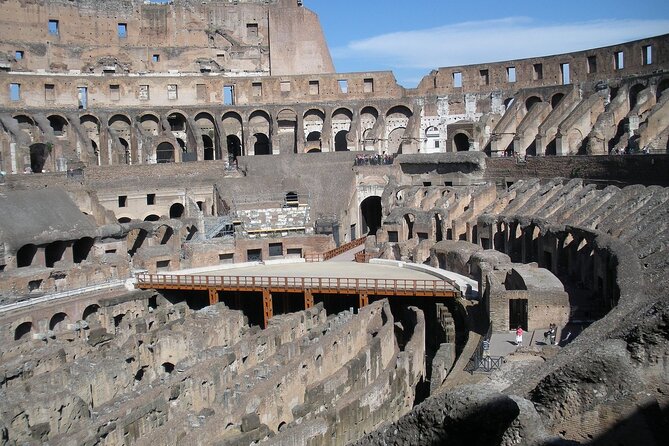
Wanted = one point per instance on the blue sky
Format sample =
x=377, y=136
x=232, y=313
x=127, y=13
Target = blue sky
x=412, y=37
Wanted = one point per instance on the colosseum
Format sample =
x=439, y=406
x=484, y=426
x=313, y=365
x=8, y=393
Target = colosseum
x=208, y=236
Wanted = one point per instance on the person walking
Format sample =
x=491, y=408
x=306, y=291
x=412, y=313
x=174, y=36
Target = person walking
x=519, y=336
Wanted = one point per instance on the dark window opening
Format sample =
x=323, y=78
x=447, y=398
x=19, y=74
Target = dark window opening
x=54, y=253
x=53, y=27
x=25, y=256
x=393, y=236
x=176, y=210
x=537, y=71
x=251, y=30
x=485, y=77
x=82, y=248
x=122, y=201
x=122, y=30
x=275, y=249
x=254, y=255
x=150, y=199
x=162, y=265
x=371, y=212
x=592, y=64
x=226, y=258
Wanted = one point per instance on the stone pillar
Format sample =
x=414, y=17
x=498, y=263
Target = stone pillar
x=268, y=310
x=300, y=137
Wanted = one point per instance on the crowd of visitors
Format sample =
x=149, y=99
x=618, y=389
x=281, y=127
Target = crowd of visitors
x=375, y=159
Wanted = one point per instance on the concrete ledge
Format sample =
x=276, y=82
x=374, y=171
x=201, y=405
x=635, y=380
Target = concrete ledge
x=468, y=287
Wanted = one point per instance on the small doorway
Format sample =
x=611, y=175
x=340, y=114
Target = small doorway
x=517, y=314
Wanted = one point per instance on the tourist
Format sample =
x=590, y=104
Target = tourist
x=552, y=333
x=519, y=336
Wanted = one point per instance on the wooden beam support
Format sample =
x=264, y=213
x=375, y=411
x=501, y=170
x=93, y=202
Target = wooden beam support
x=213, y=296
x=267, y=307
x=308, y=299
x=363, y=300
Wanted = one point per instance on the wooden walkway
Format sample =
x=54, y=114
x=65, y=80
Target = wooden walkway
x=305, y=285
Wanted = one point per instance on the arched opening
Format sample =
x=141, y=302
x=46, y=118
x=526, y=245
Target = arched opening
x=205, y=122
x=124, y=220
x=151, y=217
x=507, y=103
x=395, y=140
x=432, y=139
x=234, y=146
x=182, y=144
x=314, y=151
x=90, y=313
x=232, y=126
x=150, y=124
x=81, y=249
x=126, y=150
x=176, y=210
x=461, y=142
x=58, y=125
x=208, y=144
x=177, y=122
x=287, y=136
x=551, y=148
x=23, y=330
x=555, y=100
x=54, y=253
x=261, y=145
x=529, y=102
x=58, y=322
x=371, y=212
x=39, y=153
x=313, y=128
x=165, y=153
x=281, y=426
x=26, y=255
x=168, y=368
x=341, y=145
x=634, y=94
x=661, y=88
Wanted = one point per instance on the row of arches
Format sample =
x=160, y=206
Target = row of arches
x=180, y=136
x=57, y=322
x=78, y=251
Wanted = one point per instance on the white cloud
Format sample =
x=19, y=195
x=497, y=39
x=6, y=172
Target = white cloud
x=489, y=41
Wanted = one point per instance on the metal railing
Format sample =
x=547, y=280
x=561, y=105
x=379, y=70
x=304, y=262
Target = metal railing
x=298, y=283
x=481, y=359
x=343, y=248
x=327, y=255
